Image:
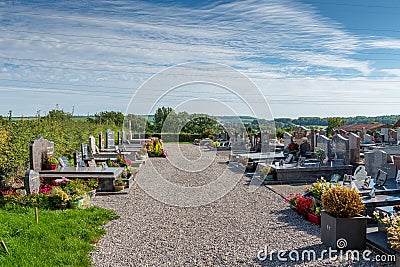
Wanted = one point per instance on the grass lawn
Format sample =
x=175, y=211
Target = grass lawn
x=62, y=238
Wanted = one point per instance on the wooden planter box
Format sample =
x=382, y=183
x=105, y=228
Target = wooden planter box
x=343, y=233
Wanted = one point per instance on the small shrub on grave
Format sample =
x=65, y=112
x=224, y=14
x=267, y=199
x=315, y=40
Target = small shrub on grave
x=342, y=202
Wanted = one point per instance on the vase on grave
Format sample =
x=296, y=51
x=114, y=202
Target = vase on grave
x=51, y=167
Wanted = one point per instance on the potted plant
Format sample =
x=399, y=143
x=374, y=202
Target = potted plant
x=342, y=226
x=293, y=198
x=318, y=188
x=304, y=206
x=119, y=184
x=394, y=235
x=51, y=163
x=314, y=215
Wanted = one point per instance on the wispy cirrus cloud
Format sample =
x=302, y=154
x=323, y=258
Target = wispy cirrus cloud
x=119, y=44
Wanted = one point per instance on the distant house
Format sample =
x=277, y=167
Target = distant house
x=371, y=127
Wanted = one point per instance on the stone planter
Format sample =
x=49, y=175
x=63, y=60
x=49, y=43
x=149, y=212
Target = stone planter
x=343, y=233
x=118, y=187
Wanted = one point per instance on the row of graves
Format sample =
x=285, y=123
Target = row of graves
x=368, y=163
x=110, y=162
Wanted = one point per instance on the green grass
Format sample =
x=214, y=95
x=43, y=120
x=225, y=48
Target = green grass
x=62, y=238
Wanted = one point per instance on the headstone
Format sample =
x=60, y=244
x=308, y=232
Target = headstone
x=101, y=141
x=374, y=160
x=265, y=141
x=381, y=177
x=398, y=177
x=360, y=174
x=367, y=139
x=123, y=136
x=396, y=161
x=305, y=149
x=324, y=143
x=385, y=134
x=40, y=149
x=64, y=162
x=390, y=170
x=119, y=138
x=340, y=148
x=78, y=158
x=313, y=140
x=92, y=145
x=287, y=139
x=354, y=146
x=85, y=152
x=32, y=182
x=110, y=139
x=398, y=135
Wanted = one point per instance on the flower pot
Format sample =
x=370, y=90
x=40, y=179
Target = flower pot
x=75, y=204
x=314, y=219
x=343, y=233
x=118, y=187
x=51, y=166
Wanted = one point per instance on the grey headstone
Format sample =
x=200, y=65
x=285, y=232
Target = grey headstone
x=354, y=146
x=78, y=158
x=389, y=169
x=40, y=149
x=110, y=139
x=119, y=138
x=123, y=136
x=385, y=134
x=64, y=162
x=305, y=149
x=313, y=140
x=324, y=143
x=32, y=182
x=85, y=152
x=367, y=139
x=287, y=139
x=92, y=145
x=101, y=141
x=398, y=135
x=374, y=160
x=340, y=148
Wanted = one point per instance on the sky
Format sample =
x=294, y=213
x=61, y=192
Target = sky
x=305, y=58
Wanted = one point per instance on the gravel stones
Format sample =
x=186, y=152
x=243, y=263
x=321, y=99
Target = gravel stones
x=228, y=232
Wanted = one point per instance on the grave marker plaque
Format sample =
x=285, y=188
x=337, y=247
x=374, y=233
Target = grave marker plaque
x=374, y=160
x=381, y=177
x=32, y=182
x=354, y=145
x=92, y=144
x=78, y=158
x=324, y=143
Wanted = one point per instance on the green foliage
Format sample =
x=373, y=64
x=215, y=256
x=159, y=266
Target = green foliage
x=62, y=238
x=108, y=117
x=57, y=126
x=333, y=123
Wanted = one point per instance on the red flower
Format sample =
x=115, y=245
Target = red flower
x=304, y=204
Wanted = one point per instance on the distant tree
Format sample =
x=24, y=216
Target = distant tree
x=334, y=123
x=106, y=117
x=59, y=115
x=160, y=116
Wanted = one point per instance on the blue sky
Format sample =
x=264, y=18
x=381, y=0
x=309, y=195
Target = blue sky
x=308, y=58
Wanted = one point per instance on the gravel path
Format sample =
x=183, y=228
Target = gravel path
x=228, y=232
